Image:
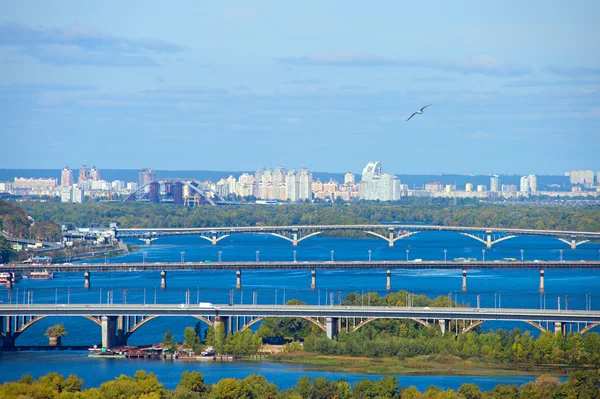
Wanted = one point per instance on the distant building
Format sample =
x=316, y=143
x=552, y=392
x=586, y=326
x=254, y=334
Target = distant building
x=95, y=173
x=145, y=176
x=581, y=176
x=494, y=184
x=533, y=183
x=434, y=187
x=66, y=177
x=349, y=178
x=377, y=186
x=84, y=174
x=481, y=188
x=132, y=186
x=468, y=187
x=524, y=184
x=509, y=188
x=304, y=183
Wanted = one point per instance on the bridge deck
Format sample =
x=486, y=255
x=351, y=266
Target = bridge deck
x=301, y=311
x=307, y=265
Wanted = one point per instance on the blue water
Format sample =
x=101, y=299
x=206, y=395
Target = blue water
x=96, y=371
x=496, y=288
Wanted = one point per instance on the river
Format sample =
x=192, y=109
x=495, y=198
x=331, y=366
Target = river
x=495, y=288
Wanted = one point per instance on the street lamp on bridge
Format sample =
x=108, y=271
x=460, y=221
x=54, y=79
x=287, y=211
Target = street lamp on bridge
x=522, y=254
x=407, y=255
x=483, y=255
x=143, y=257
x=257, y=253
x=182, y=253
x=560, y=250
x=445, y=250
x=220, y=256
x=294, y=256
x=332, y=251
x=370, y=254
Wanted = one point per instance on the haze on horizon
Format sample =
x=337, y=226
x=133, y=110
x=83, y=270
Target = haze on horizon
x=515, y=86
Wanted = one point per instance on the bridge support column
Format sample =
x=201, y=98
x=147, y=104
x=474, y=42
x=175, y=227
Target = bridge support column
x=573, y=244
x=542, y=281
x=464, y=280
x=163, y=280
x=148, y=241
x=488, y=243
x=86, y=280
x=121, y=337
x=238, y=279
x=7, y=338
x=388, y=283
x=444, y=325
x=560, y=327
x=331, y=327
x=9, y=281
x=109, y=331
x=213, y=239
x=295, y=239
x=313, y=279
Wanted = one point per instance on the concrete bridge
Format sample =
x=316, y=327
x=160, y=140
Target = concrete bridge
x=388, y=265
x=389, y=232
x=119, y=321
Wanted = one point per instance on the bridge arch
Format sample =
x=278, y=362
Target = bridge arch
x=310, y=319
x=188, y=183
x=367, y=321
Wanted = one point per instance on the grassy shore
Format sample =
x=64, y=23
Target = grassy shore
x=421, y=365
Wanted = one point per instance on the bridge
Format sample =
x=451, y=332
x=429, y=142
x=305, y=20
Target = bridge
x=313, y=266
x=389, y=232
x=119, y=321
x=177, y=191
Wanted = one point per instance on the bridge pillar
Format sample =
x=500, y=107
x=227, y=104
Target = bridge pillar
x=295, y=239
x=573, y=244
x=163, y=280
x=560, y=327
x=238, y=279
x=86, y=280
x=444, y=325
x=313, y=279
x=541, y=281
x=148, y=241
x=464, y=280
x=9, y=281
x=391, y=239
x=488, y=242
x=109, y=331
x=214, y=239
x=388, y=284
x=331, y=327
x=121, y=336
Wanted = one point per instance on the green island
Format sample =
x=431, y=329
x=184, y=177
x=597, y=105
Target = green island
x=143, y=385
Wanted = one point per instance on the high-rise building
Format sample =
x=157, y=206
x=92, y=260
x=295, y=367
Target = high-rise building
x=377, y=186
x=349, y=178
x=245, y=185
x=581, y=176
x=533, y=183
x=292, y=186
x=494, y=184
x=95, y=173
x=468, y=187
x=145, y=176
x=84, y=174
x=278, y=180
x=304, y=184
x=524, y=184
x=481, y=188
x=66, y=177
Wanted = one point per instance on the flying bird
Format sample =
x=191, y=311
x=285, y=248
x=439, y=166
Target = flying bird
x=418, y=112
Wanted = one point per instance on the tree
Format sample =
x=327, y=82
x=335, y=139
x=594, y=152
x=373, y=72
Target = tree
x=191, y=340
x=169, y=341
x=470, y=391
x=56, y=331
x=192, y=381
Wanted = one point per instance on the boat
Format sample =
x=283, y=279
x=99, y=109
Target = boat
x=5, y=276
x=209, y=351
x=43, y=275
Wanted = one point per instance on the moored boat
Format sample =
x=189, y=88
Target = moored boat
x=43, y=275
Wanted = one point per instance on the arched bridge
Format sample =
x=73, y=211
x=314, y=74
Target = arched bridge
x=177, y=191
x=115, y=319
x=389, y=232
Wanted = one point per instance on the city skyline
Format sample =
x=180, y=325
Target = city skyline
x=209, y=86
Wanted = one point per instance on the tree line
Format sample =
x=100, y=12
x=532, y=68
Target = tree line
x=144, y=385
x=130, y=215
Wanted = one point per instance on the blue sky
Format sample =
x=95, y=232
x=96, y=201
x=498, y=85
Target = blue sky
x=514, y=86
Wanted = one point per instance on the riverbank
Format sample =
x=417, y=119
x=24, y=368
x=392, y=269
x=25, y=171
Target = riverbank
x=421, y=365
